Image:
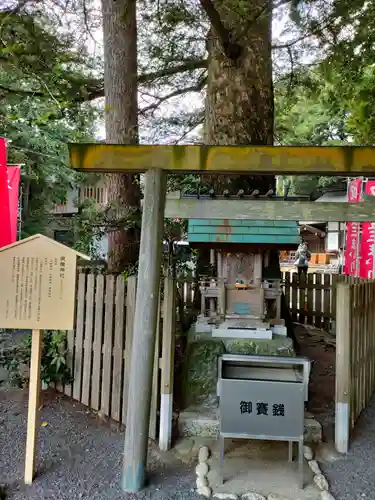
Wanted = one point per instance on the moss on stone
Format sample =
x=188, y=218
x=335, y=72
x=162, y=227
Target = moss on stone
x=278, y=346
x=201, y=371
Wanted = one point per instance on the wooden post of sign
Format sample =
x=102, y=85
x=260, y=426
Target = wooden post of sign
x=33, y=411
x=167, y=365
x=140, y=382
x=343, y=368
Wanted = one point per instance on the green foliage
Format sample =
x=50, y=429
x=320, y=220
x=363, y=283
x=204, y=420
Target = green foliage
x=15, y=358
x=40, y=75
x=314, y=112
x=93, y=222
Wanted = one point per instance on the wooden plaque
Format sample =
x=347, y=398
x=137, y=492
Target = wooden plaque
x=37, y=285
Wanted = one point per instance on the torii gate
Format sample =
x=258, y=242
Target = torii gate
x=156, y=161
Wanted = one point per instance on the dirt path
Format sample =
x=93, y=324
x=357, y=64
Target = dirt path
x=312, y=343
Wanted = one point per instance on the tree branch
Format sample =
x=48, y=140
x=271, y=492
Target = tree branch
x=309, y=33
x=188, y=65
x=232, y=46
x=189, y=130
x=11, y=90
x=193, y=88
x=95, y=88
x=231, y=49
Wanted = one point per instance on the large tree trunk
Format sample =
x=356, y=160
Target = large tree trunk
x=121, y=119
x=239, y=102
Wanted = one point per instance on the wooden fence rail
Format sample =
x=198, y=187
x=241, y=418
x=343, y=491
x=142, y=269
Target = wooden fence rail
x=355, y=355
x=99, y=348
x=312, y=300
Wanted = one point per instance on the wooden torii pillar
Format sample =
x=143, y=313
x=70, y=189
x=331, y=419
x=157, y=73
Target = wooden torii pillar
x=156, y=161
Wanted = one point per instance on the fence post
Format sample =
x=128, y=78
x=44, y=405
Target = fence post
x=343, y=370
x=167, y=365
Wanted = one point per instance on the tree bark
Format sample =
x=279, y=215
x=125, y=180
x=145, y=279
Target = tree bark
x=239, y=101
x=121, y=120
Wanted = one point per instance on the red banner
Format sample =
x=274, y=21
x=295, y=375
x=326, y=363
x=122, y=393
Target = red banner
x=353, y=231
x=366, y=265
x=5, y=230
x=14, y=176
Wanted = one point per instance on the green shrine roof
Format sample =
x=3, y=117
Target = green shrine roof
x=243, y=231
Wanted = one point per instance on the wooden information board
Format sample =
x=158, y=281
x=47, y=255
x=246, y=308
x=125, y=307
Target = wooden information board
x=37, y=293
x=37, y=285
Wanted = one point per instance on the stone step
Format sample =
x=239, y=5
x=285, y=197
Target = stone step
x=246, y=333
x=205, y=423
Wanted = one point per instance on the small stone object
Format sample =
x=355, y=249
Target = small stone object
x=313, y=464
x=205, y=491
x=308, y=453
x=201, y=482
x=225, y=496
x=203, y=454
x=321, y=482
x=326, y=495
x=201, y=469
x=276, y=496
x=253, y=496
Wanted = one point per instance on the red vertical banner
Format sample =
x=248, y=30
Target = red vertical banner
x=353, y=231
x=5, y=230
x=366, y=265
x=14, y=176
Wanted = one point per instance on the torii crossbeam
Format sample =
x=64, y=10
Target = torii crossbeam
x=156, y=161
x=274, y=160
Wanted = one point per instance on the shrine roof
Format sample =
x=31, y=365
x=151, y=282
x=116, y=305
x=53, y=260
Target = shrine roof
x=231, y=231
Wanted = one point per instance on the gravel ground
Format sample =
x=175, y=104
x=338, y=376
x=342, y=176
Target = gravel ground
x=78, y=456
x=353, y=478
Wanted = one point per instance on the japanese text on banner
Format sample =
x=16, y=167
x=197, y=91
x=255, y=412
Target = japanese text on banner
x=366, y=267
x=353, y=231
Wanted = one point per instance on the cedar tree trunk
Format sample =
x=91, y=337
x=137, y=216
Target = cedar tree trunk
x=121, y=119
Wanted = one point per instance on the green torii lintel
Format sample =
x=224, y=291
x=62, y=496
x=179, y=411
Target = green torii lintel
x=273, y=160
x=271, y=210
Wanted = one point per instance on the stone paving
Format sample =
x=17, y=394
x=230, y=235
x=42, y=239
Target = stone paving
x=253, y=470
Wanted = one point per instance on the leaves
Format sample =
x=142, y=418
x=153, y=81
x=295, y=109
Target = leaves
x=40, y=72
x=15, y=358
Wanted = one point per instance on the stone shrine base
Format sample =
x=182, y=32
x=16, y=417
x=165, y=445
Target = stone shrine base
x=200, y=377
x=203, y=422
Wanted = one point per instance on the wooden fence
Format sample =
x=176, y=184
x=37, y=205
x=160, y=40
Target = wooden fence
x=99, y=349
x=355, y=355
x=312, y=299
